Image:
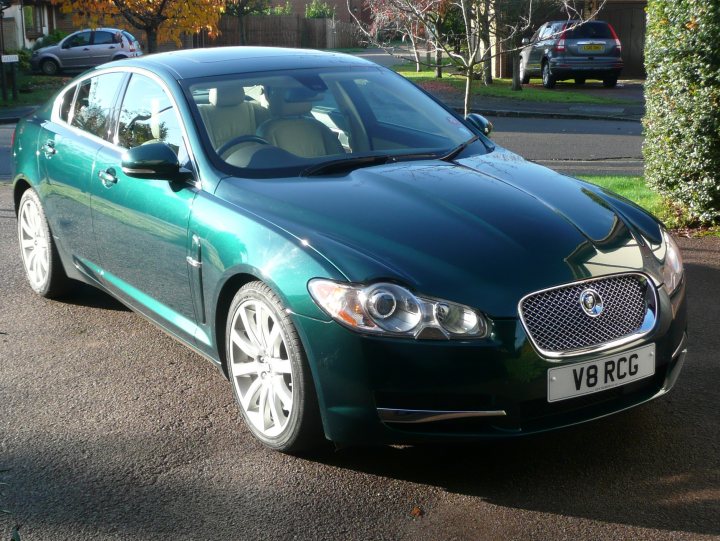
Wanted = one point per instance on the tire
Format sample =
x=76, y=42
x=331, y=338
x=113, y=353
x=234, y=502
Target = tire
x=610, y=82
x=49, y=67
x=524, y=75
x=579, y=80
x=269, y=372
x=39, y=255
x=547, y=77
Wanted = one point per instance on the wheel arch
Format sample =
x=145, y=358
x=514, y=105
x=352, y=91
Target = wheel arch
x=20, y=187
x=222, y=306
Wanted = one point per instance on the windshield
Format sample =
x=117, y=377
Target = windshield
x=293, y=121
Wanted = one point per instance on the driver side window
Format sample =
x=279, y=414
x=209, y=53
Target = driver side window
x=147, y=115
x=78, y=40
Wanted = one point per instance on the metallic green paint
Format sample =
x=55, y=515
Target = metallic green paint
x=484, y=231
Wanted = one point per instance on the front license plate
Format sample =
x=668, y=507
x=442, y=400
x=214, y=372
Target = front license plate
x=593, y=47
x=601, y=374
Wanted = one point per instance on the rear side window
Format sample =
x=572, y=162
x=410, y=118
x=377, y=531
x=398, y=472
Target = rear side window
x=104, y=38
x=591, y=30
x=94, y=102
x=129, y=36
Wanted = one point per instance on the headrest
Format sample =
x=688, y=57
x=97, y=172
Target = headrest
x=293, y=102
x=226, y=95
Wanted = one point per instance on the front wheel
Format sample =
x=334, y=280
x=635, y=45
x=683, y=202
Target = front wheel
x=547, y=77
x=269, y=373
x=49, y=67
x=40, y=258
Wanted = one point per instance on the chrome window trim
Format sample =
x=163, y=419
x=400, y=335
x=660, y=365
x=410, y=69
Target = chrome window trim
x=55, y=115
x=646, y=328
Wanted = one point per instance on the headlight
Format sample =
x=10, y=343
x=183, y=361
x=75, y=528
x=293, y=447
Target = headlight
x=672, y=270
x=389, y=309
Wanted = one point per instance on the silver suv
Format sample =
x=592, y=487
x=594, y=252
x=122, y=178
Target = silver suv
x=562, y=50
x=85, y=49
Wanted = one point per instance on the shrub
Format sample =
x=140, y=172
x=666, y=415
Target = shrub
x=682, y=92
x=319, y=10
x=23, y=58
x=279, y=10
x=52, y=38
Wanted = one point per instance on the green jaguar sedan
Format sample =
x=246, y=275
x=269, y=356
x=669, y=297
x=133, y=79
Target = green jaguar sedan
x=363, y=264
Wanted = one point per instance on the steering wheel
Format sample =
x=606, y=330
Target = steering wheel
x=240, y=139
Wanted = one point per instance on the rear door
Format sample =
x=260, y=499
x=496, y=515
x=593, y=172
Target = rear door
x=141, y=226
x=68, y=144
x=104, y=47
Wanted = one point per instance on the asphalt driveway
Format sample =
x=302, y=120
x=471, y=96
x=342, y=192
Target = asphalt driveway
x=109, y=430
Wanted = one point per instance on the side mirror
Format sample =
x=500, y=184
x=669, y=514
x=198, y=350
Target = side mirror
x=525, y=41
x=154, y=161
x=480, y=122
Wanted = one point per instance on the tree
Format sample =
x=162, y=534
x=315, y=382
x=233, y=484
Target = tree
x=487, y=28
x=682, y=95
x=243, y=8
x=159, y=19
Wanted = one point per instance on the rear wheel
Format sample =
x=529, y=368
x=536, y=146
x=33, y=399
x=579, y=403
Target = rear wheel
x=40, y=258
x=269, y=373
x=610, y=82
x=547, y=77
x=49, y=67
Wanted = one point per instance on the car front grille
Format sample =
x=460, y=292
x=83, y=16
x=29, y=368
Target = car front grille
x=557, y=324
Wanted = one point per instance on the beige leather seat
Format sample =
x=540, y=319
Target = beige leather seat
x=229, y=115
x=293, y=129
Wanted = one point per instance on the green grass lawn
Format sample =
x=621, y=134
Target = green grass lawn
x=34, y=89
x=634, y=189
x=501, y=88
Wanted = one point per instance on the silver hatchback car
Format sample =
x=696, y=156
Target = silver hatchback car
x=562, y=50
x=84, y=49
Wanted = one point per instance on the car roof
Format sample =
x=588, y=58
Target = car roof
x=192, y=63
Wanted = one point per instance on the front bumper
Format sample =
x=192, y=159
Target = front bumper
x=385, y=391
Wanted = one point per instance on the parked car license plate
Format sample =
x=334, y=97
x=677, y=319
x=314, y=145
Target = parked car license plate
x=593, y=47
x=598, y=375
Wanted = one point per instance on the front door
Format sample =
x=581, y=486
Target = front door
x=141, y=226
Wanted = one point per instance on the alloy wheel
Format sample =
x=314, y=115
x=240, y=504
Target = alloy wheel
x=34, y=244
x=260, y=367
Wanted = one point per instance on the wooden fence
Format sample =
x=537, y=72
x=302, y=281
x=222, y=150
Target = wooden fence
x=285, y=31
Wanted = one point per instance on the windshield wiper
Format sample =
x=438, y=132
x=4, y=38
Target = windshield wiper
x=454, y=153
x=342, y=165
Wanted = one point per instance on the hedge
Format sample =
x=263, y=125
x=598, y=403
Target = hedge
x=682, y=94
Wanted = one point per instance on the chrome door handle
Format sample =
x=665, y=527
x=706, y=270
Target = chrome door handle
x=49, y=148
x=108, y=177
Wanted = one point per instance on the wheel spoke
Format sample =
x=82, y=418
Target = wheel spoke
x=275, y=340
x=263, y=413
x=282, y=392
x=26, y=227
x=249, y=327
x=275, y=412
x=261, y=325
x=247, y=347
x=251, y=394
x=279, y=366
x=245, y=368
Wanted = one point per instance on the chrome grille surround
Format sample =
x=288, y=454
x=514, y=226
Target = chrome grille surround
x=554, y=320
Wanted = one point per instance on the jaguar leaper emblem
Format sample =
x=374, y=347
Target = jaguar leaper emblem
x=591, y=302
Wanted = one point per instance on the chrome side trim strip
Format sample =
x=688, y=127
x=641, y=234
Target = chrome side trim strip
x=394, y=415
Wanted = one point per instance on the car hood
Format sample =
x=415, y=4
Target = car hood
x=482, y=231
